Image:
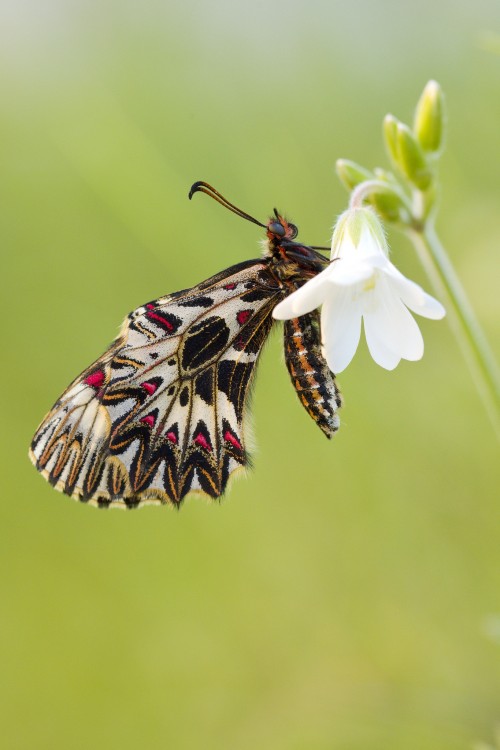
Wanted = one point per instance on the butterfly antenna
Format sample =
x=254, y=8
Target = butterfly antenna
x=204, y=187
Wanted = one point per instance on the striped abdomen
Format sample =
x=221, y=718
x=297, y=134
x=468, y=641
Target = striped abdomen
x=311, y=377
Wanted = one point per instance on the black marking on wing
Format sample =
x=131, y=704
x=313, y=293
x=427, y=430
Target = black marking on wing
x=168, y=416
x=204, y=386
x=205, y=342
x=199, y=301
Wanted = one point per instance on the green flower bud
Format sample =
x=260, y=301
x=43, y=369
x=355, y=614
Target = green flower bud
x=429, y=118
x=351, y=174
x=412, y=160
x=391, y=138
x=388, y=206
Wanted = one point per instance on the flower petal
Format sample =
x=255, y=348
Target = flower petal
x=414, y=296
x=346, y=272
x=307, y=298
x=381, y=354
x=430, y=308
x=391, y=331
x=340, y=328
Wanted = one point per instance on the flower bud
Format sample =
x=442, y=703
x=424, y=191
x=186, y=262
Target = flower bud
x=412, y=160
x=388, y=206
x=429, y=118
x=352, y=174
x=391, y=138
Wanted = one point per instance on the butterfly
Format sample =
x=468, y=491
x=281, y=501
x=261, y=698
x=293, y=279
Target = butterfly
x=162, y=412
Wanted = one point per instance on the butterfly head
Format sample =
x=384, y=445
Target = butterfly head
x=279, y=229
x=290, y=258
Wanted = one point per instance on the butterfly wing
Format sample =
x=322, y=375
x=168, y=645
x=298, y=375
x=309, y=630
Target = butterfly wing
x=311, y=377
x=161, y=413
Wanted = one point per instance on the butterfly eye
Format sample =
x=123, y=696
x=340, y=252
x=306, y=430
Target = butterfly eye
x=276, y=228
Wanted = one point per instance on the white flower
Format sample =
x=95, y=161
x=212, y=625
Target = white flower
x=362, y=283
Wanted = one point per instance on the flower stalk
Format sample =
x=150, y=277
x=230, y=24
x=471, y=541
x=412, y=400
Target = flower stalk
x=466, y=328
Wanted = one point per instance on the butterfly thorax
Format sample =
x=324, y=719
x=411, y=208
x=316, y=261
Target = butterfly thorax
x=290, y=261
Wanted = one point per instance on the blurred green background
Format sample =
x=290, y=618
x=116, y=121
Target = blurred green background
x=347, y=594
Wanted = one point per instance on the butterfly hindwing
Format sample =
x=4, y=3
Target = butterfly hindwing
x=161, y=413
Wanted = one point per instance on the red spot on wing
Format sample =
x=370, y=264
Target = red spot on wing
x=233, y=440
x=172, y=438
x=243, y=316
x=149, y=387
x=166, y=323
x=229, y=287
x=95, y=379
x=150, y=306
x=149, y=419
x=202, y=442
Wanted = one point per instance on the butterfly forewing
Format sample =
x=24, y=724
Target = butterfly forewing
x=161, y=413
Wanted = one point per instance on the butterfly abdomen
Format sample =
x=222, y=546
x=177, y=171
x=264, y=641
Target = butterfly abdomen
x=312, y=379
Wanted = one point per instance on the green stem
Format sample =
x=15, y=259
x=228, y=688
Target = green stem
x=366, y=189
x=469, y=333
